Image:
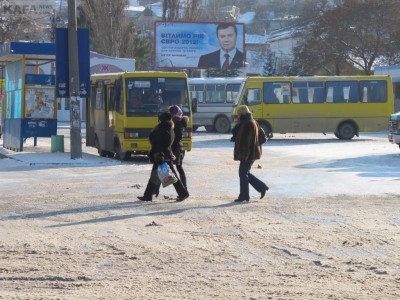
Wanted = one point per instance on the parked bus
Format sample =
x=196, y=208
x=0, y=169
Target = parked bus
x=213, y=99
x=124, y=107
x=344, y=105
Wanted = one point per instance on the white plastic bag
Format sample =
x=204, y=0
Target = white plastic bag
x=166, y=175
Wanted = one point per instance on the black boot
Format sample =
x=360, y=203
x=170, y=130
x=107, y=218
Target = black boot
x=144, y=198
x=182, y=192
x=149, y=191
x=156, y=190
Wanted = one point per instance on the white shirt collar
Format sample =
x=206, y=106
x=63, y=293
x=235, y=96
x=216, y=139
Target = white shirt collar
x=222, y=53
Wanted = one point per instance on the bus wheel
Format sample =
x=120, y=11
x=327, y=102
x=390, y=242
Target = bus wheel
x=222, y=124
x=209, y=128
x=97, y=145
x=336, y=134
x=119, y=154
x=346, y=131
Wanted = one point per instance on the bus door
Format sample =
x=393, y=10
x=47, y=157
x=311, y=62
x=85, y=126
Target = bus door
x=252, y=98
x=90, y=134
x=100, y=115
x=110, y=109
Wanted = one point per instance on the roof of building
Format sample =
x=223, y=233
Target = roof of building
x=247, y=17
x=255, y=39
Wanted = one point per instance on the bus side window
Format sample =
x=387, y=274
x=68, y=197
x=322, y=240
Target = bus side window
x=285, y=92
x=373, y=91
x=197, y=91
x=335, y=92
x=112, y=103
x=338, y=95
x=216, y=93
x=318, y=95
x=253, y=96
x=300, y=92
x=353, y=93
x=194, y=104
x=232, y=91
x=119, y=105
x=98, y=103
x=269, y=93
x=303, y=95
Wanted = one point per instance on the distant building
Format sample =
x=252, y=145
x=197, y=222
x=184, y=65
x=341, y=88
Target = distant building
x=277, y=46
x=100, y=63
x=256, y=48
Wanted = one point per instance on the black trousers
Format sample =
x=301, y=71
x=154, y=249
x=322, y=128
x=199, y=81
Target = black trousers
x=154, y=183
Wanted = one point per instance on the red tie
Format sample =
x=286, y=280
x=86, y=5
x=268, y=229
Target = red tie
x=226, y=62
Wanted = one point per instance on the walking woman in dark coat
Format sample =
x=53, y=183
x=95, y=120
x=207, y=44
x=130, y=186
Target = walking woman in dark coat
x=161, y=139
x=180, y=123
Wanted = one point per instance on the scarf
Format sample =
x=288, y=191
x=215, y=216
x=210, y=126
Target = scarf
x=235, y=129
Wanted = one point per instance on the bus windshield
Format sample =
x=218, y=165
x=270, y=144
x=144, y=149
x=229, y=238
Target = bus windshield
x=153, y=95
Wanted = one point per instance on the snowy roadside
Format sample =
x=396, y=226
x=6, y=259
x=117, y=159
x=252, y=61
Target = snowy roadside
x=327, y=229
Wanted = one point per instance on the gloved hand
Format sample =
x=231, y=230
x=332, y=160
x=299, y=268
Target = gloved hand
x=159, y=157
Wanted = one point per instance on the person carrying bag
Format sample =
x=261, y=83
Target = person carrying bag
x=161, y=138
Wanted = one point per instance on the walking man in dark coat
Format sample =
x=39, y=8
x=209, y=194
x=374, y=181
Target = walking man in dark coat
x=247, y=150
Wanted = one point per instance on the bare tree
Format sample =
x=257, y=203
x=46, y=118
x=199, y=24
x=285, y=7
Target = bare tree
x=21, y=26
x=108, y=24
x=192, y=11
x=170, y=10
x=113, y=33
x=359, y=32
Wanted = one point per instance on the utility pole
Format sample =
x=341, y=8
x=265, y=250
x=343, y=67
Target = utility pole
x=74, y=99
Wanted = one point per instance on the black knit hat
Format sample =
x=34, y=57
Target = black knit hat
x=164, y=117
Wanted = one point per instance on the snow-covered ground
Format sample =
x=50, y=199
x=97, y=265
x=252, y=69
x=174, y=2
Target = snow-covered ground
x=328, y=228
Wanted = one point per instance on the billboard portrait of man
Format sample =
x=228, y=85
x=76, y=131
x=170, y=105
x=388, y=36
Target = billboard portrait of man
x=199, y=45
x=228, y=56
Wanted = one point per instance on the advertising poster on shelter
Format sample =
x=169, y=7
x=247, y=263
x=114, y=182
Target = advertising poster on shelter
x=199, y=45
x=39, y=102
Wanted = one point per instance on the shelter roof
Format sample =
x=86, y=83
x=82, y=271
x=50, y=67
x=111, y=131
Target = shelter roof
x=35, y=53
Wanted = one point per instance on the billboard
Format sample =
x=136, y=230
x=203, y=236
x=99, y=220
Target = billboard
x=199, y=45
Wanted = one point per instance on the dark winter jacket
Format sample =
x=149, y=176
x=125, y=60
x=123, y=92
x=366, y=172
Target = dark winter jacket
x=246, y=142
x=179, y=128
x=161, y=139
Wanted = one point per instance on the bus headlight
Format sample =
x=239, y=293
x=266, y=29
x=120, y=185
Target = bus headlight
x=187, y=134
x=131, y=134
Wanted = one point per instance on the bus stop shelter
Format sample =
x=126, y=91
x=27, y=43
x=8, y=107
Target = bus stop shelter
x=29, y=108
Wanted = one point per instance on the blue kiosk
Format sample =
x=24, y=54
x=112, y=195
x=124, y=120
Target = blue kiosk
x=29, y=108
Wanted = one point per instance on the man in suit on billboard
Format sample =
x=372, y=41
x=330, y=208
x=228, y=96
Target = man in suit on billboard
x=228, y=56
